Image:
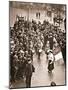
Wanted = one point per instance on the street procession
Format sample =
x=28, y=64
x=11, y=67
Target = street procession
x=37, y=38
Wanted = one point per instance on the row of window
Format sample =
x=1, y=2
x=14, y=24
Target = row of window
x=38, y=14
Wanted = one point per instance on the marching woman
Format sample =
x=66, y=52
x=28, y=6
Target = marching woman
x=50, y=61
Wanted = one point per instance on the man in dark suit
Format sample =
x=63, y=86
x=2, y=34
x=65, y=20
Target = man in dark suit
x=29, y=70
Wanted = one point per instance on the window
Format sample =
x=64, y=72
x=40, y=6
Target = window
x=38, y=15
x=49, y=13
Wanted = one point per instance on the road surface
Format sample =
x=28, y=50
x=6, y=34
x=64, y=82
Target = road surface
x=41, y=77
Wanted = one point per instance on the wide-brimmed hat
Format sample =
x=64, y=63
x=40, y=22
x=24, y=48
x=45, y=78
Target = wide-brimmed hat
x=29, y=60
x=50, y=51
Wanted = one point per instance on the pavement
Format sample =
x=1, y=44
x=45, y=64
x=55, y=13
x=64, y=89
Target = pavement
x=41, y=77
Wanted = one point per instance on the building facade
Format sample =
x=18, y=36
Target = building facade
x=36, y=11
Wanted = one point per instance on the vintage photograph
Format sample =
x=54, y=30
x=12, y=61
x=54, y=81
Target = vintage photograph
x=37, y=39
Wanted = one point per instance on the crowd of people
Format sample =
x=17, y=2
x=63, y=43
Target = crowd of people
x=29, y=37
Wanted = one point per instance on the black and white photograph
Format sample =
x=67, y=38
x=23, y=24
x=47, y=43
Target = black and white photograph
x=37, y=44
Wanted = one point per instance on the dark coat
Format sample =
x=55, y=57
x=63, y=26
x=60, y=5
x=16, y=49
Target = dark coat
x=29, y=69
x=50, y=66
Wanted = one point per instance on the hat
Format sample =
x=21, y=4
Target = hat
x=26, y=51
x=50, y=51
x=29, y=59
x=12, y=42
x=21, y=51
x=15, y=57
x=25, y=58
x=53, y=83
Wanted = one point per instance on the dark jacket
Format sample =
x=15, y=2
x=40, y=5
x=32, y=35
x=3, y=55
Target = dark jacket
x=29, y=69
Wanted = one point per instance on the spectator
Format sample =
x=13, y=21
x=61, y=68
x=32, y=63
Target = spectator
x=29, y=70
